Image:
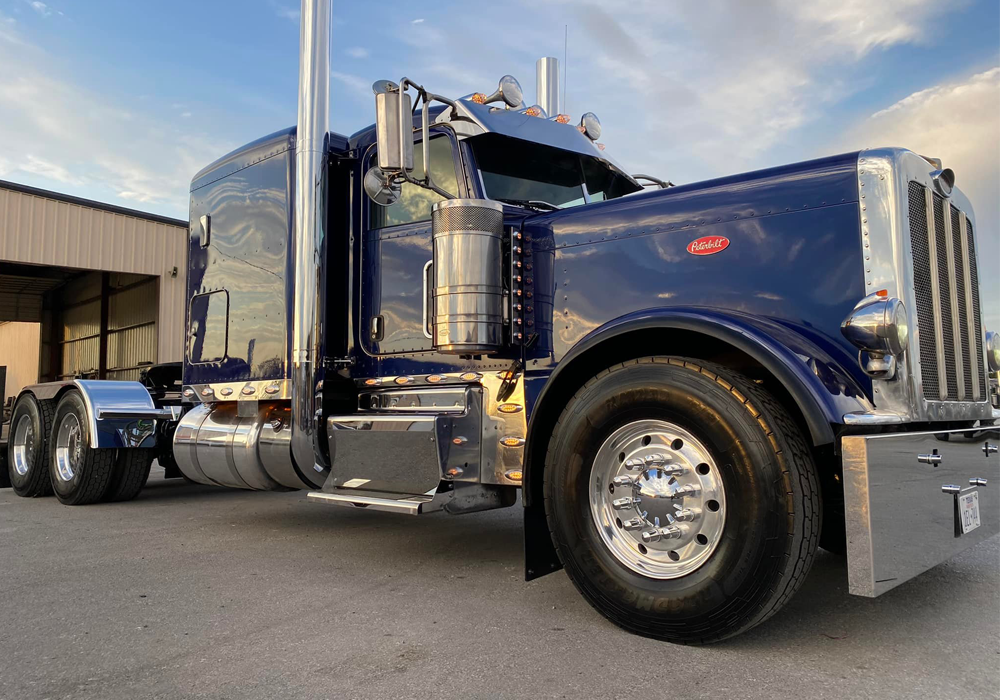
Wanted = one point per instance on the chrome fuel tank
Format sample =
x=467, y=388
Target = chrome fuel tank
x=215, y=445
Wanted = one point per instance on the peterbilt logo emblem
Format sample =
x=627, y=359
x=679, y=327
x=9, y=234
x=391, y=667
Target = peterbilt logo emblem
x=708, y=245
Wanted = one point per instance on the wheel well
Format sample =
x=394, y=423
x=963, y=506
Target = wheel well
x=629, y=346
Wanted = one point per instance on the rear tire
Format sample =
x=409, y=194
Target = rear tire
x=744, y=474
x=28, y=447
x=130, y=474
x=4, y=476
x=80, y=474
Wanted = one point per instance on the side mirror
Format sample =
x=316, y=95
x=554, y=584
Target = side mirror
x=380, y=188
x=395, y=139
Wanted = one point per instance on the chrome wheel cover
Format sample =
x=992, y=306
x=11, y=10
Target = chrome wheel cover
x=69, y=447
x=657, y=499
x=24, y=445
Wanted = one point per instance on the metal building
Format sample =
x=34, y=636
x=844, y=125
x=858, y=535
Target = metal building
x=105, y=283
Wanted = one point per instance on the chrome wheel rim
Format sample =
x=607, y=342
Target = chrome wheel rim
x=69, y=447
x=657, y=499
x=24, y=445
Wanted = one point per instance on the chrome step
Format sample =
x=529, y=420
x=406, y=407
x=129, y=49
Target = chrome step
x=376, y=500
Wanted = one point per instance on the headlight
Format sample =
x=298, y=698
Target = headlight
x=877, y=325
x=993, y=350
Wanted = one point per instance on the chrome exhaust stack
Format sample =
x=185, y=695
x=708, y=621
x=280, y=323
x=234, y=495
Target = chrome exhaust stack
x=310, y=221
x=547, y=85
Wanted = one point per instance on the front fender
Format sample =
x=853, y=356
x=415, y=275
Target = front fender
x=808, y=366
x=120, y=414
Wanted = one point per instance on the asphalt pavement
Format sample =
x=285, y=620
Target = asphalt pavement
x=198, y=592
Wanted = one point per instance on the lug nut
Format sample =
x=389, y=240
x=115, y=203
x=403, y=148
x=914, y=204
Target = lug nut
x=664, y=533
x=634, y=524
x=689, y=490
x=637, y=463
x=622, y=481
x=625, y=503
x=687, y=514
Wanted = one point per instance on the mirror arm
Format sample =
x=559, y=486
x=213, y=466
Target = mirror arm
x=426, y=98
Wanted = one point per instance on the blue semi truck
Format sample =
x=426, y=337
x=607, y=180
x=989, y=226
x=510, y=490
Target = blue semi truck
x=693, y=387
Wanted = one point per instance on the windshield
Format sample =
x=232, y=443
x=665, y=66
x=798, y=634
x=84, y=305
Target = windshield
x=521, y=171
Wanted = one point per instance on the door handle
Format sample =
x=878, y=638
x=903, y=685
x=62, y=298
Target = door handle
x=428, y=266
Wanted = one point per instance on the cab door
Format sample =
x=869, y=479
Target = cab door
x=396, y=252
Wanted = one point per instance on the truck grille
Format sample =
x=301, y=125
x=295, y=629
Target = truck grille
x=945, y=277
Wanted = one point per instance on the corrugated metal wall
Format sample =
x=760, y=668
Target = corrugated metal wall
x=38, y=230
x=19, y=352
x=74, y=311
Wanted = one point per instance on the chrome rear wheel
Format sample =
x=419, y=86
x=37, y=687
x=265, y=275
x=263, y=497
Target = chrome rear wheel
x=69, y=446
x=657, y=499
x=24, y=445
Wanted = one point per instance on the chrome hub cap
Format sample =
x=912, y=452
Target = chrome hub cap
x=24, y=445
x=69, y=447
x=657, y=499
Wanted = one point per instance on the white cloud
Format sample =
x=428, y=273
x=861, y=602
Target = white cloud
x=40, y=7
x=47, y=169
x=185, y=115
x=357, y=52
x=61, y=136
x=361, y=87
x=417, y=21
x=958, y=122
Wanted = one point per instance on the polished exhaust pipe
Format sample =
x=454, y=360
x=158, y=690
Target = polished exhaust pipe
x=547, y=85
x=307, y=238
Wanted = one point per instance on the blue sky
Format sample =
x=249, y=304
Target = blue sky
x=124, y=101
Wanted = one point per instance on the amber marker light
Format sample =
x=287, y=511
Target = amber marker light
x=513, y=474
x=479, y=98
x=511, y=441
x=403, y=380
x=470, y=377
x=435, y=378
x=509, y=407
x=372, y=382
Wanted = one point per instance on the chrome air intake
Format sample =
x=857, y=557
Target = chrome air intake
x=467, y=305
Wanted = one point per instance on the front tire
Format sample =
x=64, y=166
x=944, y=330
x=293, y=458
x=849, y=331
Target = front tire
x=728, y=514
x=79, y=474
x=28, y=447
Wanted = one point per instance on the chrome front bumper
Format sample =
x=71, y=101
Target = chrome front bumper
x=899, y=520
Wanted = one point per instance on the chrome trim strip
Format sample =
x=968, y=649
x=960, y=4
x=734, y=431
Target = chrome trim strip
x=956, y=316
x=970, y=314
x=446, y=399
x=936, y=295
x=132, y=413
x=235, y=392
x=873, y=419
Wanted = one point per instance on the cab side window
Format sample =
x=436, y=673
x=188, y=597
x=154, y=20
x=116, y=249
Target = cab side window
x=415, y=202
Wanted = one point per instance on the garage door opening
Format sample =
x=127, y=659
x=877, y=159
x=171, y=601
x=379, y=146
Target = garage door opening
x=93, y=324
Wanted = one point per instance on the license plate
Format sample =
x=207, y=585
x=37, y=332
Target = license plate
x=968, y=511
